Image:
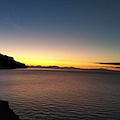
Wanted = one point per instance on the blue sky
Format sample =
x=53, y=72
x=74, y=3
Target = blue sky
x=86, y=30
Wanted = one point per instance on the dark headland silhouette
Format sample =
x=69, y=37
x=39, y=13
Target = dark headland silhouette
x=6, y=113
x=7, y=62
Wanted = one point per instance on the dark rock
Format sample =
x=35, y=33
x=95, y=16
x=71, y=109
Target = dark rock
x=6, y=113
x=7, y=62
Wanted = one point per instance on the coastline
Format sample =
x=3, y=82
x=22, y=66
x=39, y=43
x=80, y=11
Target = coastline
x=6, y=113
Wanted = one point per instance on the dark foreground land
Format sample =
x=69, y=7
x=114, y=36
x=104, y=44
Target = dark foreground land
x=7, y=62
x=6, y=113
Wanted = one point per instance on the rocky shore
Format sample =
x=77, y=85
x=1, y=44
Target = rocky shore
x=6, y=113
x=7, y=62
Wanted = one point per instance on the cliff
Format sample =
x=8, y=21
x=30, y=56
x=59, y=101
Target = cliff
x=6, y=113
x=7, y=62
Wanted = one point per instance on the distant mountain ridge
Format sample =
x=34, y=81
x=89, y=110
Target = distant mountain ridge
x=7, y=62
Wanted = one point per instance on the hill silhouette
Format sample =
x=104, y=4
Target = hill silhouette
x=7, y=62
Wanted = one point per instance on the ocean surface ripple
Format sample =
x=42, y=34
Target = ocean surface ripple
x=36, y=94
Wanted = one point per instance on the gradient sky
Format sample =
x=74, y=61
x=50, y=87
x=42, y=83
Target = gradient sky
x=75, y=33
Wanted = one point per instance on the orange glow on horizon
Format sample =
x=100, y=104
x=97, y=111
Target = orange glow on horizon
x=65, y=63
x=47, y=58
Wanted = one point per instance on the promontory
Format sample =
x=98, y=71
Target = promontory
x=7, y=62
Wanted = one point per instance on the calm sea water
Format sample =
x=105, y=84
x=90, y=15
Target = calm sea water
x=36, y=94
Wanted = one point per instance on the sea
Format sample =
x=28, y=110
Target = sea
x=55, y=94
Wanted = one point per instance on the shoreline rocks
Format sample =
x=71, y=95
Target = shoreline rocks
x=6, y=113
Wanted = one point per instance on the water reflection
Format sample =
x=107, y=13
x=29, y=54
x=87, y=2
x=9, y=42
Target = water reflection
x=61, y=95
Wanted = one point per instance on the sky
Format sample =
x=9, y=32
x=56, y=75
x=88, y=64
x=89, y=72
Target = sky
x=78, y=33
